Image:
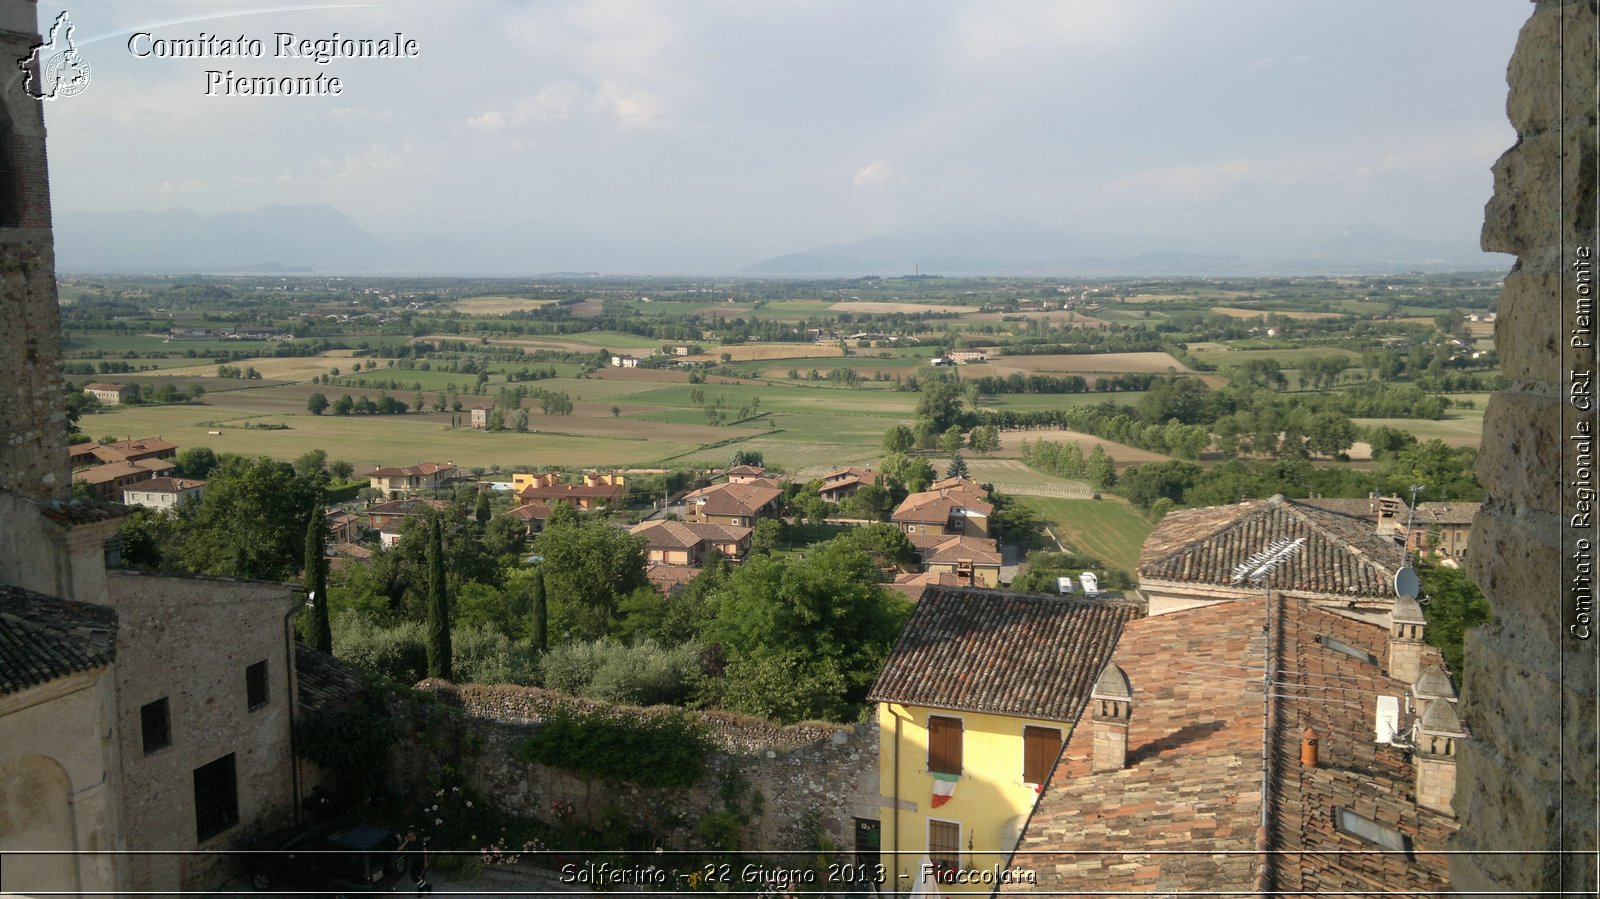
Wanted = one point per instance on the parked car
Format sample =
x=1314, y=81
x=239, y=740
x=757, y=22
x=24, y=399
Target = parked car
x=337, y=859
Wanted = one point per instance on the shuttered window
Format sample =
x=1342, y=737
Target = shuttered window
x=944, y=744
x=1040, y=746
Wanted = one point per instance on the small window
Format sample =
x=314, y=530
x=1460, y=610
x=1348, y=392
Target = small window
x=255, y=685
x=944, y=845
x=216, y=798
x=1040, y=746
x=1371, y=831
x=944, y=744
x=155, y=725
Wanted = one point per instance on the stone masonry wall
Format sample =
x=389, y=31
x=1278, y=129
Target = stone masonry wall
x=33, y=432
x=1528, y=687
x=829, y=770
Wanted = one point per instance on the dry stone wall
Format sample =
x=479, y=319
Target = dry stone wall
x=1526, y=778
x=826, y=770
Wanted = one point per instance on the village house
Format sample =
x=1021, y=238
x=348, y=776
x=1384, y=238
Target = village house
x=597, y=490
x=1345, y=565
x=107, y=482
x=389, y=519
x=739, y=505
x=1443, y=528
x=689, y=542
x=343, y=527
x=748, y=474
x=88, y=454
x=624, y=361
x=109, y=394
x=842, y=483
x=532, y=516
x=1353, y=793
x=480, y=418
x=973, y=705
x=399, y=483
x=972, y=561
x=956, y=508
x=164, y=493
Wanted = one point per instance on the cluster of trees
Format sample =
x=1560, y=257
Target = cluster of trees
x=1067, y=460
x=385, y=404
x=232, y=371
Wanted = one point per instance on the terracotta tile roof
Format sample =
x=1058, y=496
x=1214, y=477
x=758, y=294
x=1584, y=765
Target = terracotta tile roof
x=1445, y=513
x=1023, y=654
x=1341, y=556
x=406, y=506
x=105, y=474
x=43, y=638
x=418, y=470
x=322, y=681
x=1193, y=778
x=687, y=534
x=167, y=485
x=669, y=578
x=978, y=550
x=734, y=499
x=531, y=512
x=746, y=471
x=82, y=511
x=911, y=585
x=936, y=506
x=1366, y=508
x=847, y=475
x=557, y=492
x=147, y=446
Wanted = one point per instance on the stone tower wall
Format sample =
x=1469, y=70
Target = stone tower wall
x=33, y=428
x=1526, y=778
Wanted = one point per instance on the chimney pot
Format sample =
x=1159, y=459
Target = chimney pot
x=1308, y=748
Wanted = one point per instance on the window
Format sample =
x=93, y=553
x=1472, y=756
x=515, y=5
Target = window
x=1371, y=831
x=1040, y=746
x=155, y=725
x=944, y=744
x=255, y=685
x=216, y=799
x=944, y=845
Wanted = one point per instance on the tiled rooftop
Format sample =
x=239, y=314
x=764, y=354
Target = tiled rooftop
x=1341, y=555
x=1193, y=777
x=687, y=534
x=43, y=638
x=936, y=505
x=1445, y=513
x=323, y=681
x=979, y=550
x=1024, y=654
x=734, y=499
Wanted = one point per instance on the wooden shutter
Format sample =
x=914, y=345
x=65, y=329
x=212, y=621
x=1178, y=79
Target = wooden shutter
x=944, y=744
x=1040, y=746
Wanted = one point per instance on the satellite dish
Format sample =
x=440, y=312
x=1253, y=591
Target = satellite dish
x=1406, y=583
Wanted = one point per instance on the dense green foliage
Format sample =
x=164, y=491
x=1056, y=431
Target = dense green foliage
x=1452, y=605
x=663, y=750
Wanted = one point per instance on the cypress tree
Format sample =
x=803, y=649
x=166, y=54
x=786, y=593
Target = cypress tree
x=438, y=606
x=482, y=512
x=315, y=628
x=539, y=612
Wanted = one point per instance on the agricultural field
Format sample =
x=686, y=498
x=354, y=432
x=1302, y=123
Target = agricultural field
x=496, y=305
x=1108, y=528
x=1122, y=454
x=1011, y=476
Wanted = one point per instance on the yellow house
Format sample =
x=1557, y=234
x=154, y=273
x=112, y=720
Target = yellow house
x=973, y=706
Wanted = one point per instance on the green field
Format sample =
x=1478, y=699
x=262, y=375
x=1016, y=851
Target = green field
x=1109, y=529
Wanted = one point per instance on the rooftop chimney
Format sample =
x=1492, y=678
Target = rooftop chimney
x=1112, y=703
x=1406, y=628
x=1437, y=735
x=1308, y=748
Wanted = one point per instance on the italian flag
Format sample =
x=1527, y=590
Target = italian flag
x=944, y=787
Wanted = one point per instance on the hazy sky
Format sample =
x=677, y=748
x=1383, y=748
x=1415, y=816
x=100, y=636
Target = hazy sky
x=737, y=130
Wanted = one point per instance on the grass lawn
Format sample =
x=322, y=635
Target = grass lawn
x=1109, y=528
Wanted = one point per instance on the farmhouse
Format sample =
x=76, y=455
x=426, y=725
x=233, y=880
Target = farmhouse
x=624, y=361
x=83, y=454
x=107, y=482
x=480, y=418
x=532, y=516
x=842, y=483
x=389, y=518
x=110, y=394
x=1442, y=528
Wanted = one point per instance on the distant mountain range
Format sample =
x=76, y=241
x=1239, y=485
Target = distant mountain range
x=319, y=238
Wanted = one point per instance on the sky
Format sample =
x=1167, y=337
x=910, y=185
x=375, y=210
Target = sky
x=726, y=132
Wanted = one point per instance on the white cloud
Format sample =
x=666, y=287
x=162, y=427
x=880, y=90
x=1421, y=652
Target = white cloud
x=878, y=173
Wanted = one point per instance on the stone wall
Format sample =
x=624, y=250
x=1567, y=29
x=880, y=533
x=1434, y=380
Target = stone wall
x=33, y=447
x=826, y=769
x=1526, y=778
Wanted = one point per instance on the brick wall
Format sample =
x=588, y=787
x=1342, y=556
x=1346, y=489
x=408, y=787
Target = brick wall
x=824, y=768
x=1528, y=689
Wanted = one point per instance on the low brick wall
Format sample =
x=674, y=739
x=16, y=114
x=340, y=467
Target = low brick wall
x=829, y=770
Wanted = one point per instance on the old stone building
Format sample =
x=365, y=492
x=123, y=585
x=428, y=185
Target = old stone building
x=142, y=717
x=1526, y=781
